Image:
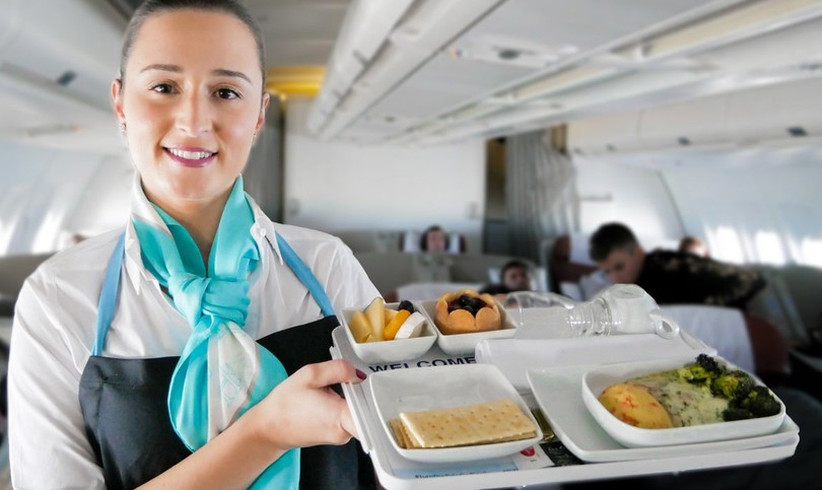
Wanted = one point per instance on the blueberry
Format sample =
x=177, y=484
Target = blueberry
x=477, y=304
x=406, y=305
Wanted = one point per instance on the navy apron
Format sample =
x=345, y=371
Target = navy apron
x=124, y=401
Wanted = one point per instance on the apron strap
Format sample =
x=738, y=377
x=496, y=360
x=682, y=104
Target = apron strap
x=304, y=274
x=107, y=304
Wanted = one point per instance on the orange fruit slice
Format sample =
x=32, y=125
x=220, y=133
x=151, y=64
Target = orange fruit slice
x=394, y=325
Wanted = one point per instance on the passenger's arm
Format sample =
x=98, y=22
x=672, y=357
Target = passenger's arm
x=301, y=411
x=727, y=284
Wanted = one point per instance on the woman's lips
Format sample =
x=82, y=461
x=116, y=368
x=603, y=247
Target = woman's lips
x=191, y=157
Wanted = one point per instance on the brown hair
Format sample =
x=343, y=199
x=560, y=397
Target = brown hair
x=688, y=242
x=513, y=264
x=153, y=7
x=610, y=237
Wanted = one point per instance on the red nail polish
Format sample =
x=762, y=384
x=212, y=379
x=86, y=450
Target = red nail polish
x=360, y=374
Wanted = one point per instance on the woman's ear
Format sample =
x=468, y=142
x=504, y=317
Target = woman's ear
x=261, y=116
x=117, y=99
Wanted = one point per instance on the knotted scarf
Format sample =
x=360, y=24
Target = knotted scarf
x=222, y=372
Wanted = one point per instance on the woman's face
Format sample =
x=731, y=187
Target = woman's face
x=517, y=279
x=436, y=241
x=191, y=100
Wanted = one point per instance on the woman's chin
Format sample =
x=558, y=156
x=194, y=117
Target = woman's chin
x=189, y=191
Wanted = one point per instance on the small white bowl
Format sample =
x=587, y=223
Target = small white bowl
x=391, y=350
x=596, y=380
x=465, y=343
x=439, y=387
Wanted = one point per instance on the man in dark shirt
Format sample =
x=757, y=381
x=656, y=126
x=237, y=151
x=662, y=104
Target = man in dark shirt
x=669, y=276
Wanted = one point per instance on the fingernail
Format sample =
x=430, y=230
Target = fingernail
x=360, y=374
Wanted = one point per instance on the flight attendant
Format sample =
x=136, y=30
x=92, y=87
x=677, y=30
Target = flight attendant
x=189, y=349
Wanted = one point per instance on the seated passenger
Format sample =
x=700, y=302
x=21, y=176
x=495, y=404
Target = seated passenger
x=516, y=276
x=671, y=277
x=434, y=240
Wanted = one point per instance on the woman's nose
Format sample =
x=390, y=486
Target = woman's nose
x=193, y=114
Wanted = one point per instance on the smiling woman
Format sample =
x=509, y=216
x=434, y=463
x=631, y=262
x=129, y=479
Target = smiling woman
x=200, y=333
x=190, y=112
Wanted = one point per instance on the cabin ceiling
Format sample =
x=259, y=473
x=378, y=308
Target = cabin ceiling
x=297, y=32
x=428, y=71
x=436, y=71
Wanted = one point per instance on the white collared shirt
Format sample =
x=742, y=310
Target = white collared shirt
x=54, y=330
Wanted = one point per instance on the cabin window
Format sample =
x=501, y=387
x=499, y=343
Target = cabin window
x=812, y=251
x=768, y=248
x=729, y=247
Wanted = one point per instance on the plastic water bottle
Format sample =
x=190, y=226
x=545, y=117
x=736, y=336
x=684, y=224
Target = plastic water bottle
x=618, y=309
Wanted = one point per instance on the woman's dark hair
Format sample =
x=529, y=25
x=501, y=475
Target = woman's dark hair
x=609, y=237
x=424, y=236
x=512, y=264
x=153, y=7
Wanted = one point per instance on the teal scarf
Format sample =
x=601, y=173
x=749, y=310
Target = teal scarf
x=222, y=372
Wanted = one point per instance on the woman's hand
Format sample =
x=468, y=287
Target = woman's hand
x=304, y=411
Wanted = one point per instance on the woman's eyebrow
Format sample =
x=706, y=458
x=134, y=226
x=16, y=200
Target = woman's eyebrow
x=162, y=67
x=230, y=73
x=218, y=72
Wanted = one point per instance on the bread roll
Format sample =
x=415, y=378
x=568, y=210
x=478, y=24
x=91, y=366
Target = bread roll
x=470, y=319
x=634, y=404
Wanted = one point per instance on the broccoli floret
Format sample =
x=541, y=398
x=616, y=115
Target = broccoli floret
x=703, y=371
x=709, y=364
x=736, y=413
x=732, y=385
x=694, y=374
x=760, y=402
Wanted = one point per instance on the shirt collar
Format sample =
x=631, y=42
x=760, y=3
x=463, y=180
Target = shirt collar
x=264, y=229
x=140, y=207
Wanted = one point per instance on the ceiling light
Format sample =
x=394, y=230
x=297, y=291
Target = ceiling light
x=733, y=25
x=295, y=80
x=472, y=112
x=563, y=80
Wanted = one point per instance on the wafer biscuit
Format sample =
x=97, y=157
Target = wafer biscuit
x=485, y=423
x=401, y=434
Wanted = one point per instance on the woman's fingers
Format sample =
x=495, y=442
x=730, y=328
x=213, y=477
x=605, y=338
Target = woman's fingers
x=347, y=423
x=304, y=411
x=329, y=373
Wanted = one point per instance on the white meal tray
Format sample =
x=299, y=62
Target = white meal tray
x=398, y=473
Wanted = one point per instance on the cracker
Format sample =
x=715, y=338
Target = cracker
x=485, y=423
x=401, y=434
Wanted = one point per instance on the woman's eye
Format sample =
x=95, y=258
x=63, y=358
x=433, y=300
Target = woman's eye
x=227, y=94
x=163, y=88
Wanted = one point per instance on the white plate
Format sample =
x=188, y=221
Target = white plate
x=596, y=380
x=391, y=350
x=557, y=392
x=465, y=343
x=441, y=387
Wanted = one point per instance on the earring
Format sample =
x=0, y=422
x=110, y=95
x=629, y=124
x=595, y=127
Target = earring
x=122, y=127
x=254, y=135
